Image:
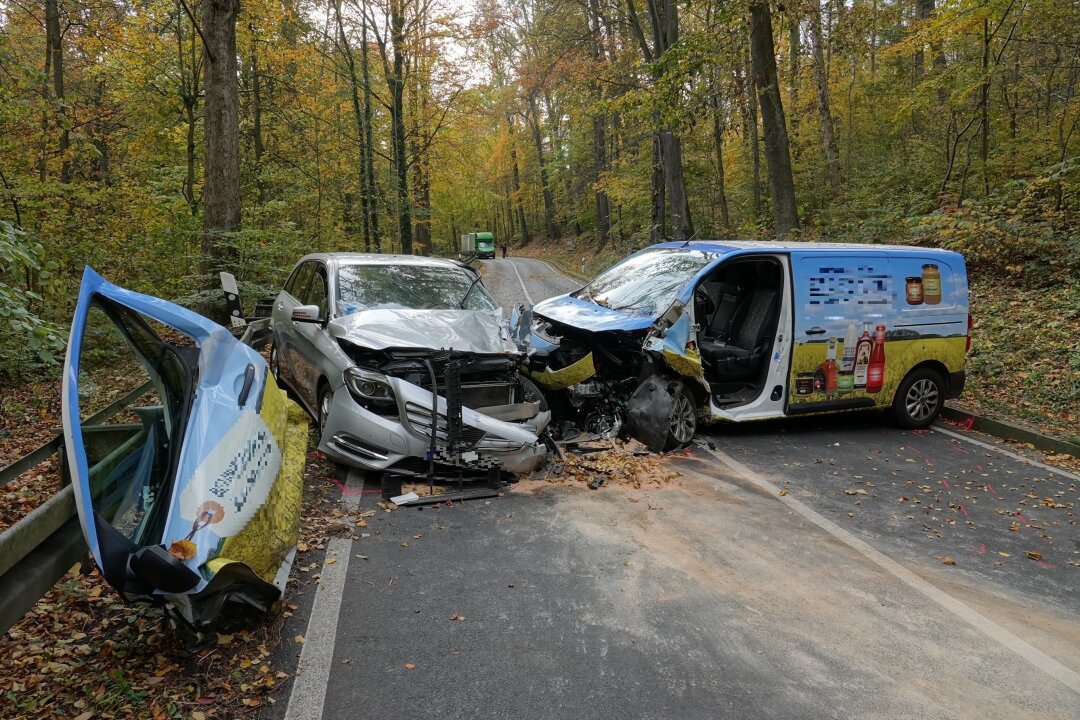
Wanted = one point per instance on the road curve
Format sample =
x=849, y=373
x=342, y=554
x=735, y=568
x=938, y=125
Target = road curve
x=513, y=281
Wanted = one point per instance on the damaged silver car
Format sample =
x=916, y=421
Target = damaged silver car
x=375, y=346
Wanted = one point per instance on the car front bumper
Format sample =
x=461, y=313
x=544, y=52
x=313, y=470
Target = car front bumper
x=355, y=436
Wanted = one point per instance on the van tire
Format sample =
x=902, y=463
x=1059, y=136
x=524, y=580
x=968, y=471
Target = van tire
x=919, y=399
x=683, y=417
x=530, y=392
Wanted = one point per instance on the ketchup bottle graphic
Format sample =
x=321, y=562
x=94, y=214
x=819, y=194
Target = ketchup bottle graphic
x=875, y=370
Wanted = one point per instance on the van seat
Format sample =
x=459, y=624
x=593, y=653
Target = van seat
x=741, y=356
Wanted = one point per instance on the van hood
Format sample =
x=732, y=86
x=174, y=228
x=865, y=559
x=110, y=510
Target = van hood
x=468, y=331
x=585, y=315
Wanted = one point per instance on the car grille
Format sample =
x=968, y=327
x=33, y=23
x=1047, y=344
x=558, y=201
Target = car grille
x=420, y=419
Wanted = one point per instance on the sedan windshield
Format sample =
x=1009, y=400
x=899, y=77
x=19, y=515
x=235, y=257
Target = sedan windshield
x=407, y=286
x=648, y=282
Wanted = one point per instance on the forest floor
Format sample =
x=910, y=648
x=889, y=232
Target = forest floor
x=1024, y=364
x=82, y=653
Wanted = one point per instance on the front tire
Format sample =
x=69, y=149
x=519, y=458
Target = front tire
x=919, y=399
x=683, y=417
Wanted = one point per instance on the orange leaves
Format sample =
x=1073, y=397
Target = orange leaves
x=183, y=549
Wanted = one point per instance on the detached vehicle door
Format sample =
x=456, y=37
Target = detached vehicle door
x=184, y=461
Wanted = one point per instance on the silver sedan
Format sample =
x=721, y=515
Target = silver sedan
x=376, y=345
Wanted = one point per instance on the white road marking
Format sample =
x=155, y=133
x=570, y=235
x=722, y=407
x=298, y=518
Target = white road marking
x=1068, y=677
x=523, y=288
x=1003, y=451
x=308, y=692
x=560, y=273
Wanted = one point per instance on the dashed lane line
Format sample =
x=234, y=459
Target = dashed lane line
x=523, y=288
x=1040, y=660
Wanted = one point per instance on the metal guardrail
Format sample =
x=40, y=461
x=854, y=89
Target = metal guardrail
x=40, y=548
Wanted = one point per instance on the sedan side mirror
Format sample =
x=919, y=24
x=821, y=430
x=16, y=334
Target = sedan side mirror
x=306, y=313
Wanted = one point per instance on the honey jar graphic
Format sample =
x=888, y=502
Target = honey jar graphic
x=931, y=284
x=914, y=290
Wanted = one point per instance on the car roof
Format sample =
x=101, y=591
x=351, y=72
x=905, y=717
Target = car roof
x=356, y=258
x=729, y=246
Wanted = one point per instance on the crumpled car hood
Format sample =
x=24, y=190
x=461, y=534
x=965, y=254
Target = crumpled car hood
x=470, y=331
x=577, y=313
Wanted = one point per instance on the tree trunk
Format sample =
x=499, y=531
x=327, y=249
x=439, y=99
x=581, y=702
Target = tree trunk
x=516, y=195
x=794, y=51
x=750, y=122
x=256, y=116
x=682, y=227
x=603, y=207
x=718, y=148
x=923, y=10
x=189, y=177
x=99, y=163
x=549, y=201
x=221, y=190
x=189, y=97
x=600, y=159
x=777, y=153
x=657, y=232
x=396, y=82
x=368, y=197
x=667, y=149
x=56, y=52
x=828, y=138
x=984, y=107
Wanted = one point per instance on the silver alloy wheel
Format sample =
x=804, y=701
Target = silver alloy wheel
x=922, y=399
x=275, y=364
x=683, y=418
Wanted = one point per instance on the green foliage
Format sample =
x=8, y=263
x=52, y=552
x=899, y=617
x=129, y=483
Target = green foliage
x=27, y=342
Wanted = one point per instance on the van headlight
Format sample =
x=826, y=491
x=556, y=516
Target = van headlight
x=368, y=386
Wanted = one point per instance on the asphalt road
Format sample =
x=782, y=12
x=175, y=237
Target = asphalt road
x=513, y=281
x=794, y=570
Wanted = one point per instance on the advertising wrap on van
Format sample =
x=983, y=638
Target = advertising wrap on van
x=862, y=322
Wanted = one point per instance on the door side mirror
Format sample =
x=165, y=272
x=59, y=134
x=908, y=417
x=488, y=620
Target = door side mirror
x=306, y=313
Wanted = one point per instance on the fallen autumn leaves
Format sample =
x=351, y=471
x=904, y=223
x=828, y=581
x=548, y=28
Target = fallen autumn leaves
x=82, y=653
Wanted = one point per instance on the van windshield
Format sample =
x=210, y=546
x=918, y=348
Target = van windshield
x=646, y=283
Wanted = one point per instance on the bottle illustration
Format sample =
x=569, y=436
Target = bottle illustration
x=862, y=356
x=828, y=368
x=847, y=361
x=875, y=370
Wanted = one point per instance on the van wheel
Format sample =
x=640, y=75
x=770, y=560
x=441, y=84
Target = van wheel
x=531, y=393
x=919, y=399
x=683, y=417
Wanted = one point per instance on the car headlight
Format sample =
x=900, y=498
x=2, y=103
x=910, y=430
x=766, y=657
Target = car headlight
x=369, y=386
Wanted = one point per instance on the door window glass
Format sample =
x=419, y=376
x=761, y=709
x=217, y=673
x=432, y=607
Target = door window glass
x=316, y=294
x=133, y=391
x=299, y=281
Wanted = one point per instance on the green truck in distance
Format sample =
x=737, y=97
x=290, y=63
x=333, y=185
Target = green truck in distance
x=482, y=243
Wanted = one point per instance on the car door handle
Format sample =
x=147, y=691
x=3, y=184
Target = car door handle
x=816, y=330
x=249, y=379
